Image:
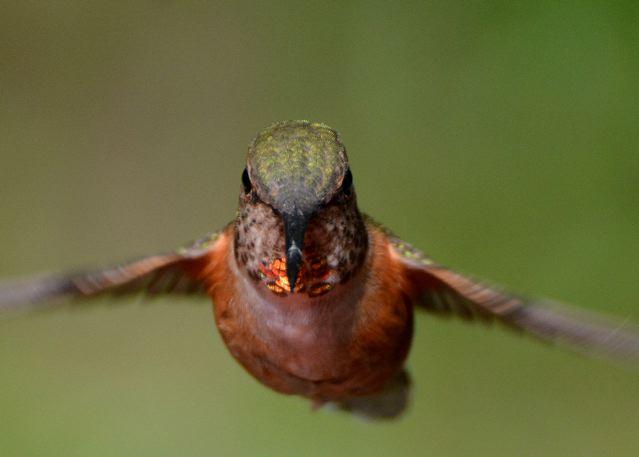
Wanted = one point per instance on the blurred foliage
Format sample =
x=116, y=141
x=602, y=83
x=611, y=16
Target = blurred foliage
x=501, y=137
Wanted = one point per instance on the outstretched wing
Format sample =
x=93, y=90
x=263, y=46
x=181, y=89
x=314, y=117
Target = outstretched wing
x=442, y=291
x=173, y=272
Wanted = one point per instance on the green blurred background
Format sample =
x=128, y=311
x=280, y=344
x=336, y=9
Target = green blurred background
x=501, y=137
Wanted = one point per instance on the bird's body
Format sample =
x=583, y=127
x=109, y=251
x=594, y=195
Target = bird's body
x=312, y=297
x=348, y=342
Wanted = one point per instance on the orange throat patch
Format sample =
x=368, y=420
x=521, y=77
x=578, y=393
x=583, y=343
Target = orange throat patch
x=312, y=280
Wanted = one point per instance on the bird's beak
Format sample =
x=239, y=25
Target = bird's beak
x=294, y=230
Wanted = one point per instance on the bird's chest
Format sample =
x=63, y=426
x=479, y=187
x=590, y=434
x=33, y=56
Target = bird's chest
x=275, y=339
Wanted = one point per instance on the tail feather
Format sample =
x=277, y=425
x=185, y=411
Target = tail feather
x=390, y=403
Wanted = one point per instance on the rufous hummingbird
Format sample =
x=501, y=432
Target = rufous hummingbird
x=311, y=296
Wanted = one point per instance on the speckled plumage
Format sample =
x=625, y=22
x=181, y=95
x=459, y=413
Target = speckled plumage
x=336, y=236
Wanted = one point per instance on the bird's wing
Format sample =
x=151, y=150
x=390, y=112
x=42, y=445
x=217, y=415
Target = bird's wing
x=172, y=272
x=442, y=291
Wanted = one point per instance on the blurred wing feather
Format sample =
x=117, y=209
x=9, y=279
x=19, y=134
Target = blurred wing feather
x=442, y=291
x=174, y=272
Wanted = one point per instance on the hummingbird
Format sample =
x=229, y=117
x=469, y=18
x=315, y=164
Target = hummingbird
x=314, y=298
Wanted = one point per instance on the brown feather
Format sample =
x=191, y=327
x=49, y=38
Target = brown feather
x=442, y=291
x=174, y=272
x=349, y=342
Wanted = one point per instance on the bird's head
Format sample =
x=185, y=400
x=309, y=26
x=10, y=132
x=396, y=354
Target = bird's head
x=298, y=216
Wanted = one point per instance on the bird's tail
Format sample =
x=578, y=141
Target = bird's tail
x=390, y=403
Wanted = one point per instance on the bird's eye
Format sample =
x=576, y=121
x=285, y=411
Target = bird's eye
x=246, y=181
x=347, y=183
